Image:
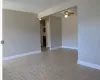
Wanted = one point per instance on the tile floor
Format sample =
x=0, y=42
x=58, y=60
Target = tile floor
x=60, y=64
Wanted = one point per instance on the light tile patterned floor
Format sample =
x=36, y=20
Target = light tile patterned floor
x=60, y=64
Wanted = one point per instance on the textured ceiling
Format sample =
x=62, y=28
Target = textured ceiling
x=43, y=4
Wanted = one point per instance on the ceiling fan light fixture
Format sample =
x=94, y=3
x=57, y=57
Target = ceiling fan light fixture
x=66, y=16
x=40, y=19
x=66, y=13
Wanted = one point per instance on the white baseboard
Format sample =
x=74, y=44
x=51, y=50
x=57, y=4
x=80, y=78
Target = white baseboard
x=63, y=47
x=70, y=47
x=55, y=48
x=21, y=55
x=95, y=66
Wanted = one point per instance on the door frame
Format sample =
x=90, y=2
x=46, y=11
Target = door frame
x=0, y=39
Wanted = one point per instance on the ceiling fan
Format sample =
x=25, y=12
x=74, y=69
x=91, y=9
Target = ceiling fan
x=68, y=13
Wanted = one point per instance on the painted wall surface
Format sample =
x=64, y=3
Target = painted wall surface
x=88, y=27
x=21, y=32
x=56, y=32
x=48, y=31
x=89, y=31
x=70, y=31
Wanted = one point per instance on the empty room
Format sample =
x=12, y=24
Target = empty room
x=50, y=39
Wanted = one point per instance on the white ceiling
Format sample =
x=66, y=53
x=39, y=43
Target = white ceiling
x=61, y=14
x=42, y=5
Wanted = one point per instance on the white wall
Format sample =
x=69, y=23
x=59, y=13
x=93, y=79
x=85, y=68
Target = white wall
x=70, y=31
x=21, y=32
x=89, y=31
x=48, y=32
x=56, y=31
x=88, y=27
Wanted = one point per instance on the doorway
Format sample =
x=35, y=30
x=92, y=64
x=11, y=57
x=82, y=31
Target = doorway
x=43, y=34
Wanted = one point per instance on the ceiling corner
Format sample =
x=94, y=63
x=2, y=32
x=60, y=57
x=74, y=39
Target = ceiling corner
x=21, y=7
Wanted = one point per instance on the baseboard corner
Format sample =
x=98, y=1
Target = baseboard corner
x=55, y=48
x=70, y=47
x=95, y=66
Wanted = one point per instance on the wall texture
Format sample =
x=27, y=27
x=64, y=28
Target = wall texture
x=89, y=31
x=55, y=30
x=88, y=27
x=70, y=31
x=21, y=32
x=48, y=32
